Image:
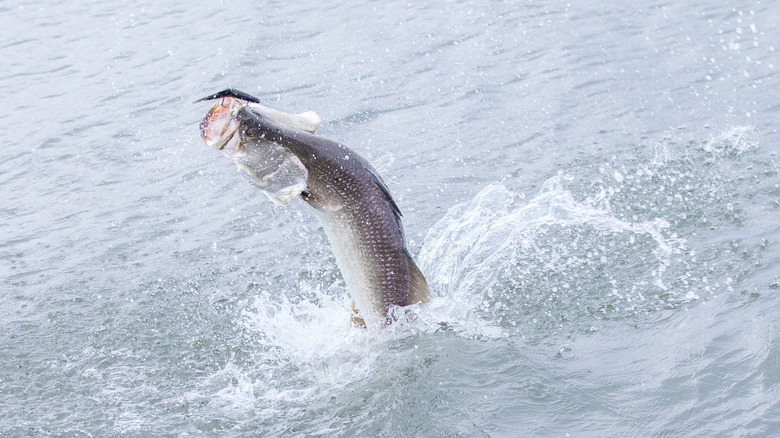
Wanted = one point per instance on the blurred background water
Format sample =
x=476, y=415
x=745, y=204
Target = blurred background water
x=591, y=190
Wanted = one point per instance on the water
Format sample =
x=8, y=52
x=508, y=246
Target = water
x=592, y=191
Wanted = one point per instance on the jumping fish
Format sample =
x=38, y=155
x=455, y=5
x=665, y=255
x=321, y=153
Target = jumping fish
x=280, y=154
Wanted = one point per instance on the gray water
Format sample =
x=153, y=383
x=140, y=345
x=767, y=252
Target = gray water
x=592, y=191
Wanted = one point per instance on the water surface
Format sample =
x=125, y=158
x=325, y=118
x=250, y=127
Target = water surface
x=591, y=190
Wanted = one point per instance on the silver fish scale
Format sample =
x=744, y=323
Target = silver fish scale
x=370, y=217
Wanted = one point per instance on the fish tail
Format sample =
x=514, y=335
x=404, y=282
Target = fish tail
x=418, y=285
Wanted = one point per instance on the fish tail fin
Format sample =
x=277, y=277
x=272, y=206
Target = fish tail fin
x=418, y=285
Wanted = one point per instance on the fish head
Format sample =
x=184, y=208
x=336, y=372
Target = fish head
x=220, y=127
x=236, y=128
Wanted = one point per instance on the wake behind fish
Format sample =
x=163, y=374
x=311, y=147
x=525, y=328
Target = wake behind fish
x=610, y=243
x=511, y=260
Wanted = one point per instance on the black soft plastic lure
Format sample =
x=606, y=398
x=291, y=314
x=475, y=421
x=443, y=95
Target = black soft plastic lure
x=230, y=92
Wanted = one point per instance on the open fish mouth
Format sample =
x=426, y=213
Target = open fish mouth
x=219, y=128
x=278, y=173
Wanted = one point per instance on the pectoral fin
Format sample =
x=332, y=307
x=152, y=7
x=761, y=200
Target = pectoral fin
x=314, y=202
x=356, y=320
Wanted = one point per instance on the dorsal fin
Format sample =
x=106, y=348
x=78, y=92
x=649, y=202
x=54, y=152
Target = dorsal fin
x=386, y=192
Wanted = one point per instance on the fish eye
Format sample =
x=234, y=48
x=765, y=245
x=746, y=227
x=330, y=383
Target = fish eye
x=250, y=132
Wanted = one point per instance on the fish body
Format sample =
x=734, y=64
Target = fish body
x=358, y=213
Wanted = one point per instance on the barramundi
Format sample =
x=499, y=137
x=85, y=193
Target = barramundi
x=281, y=155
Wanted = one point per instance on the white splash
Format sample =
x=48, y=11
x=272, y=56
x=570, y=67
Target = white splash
x=465, y=251
x=732, y=142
